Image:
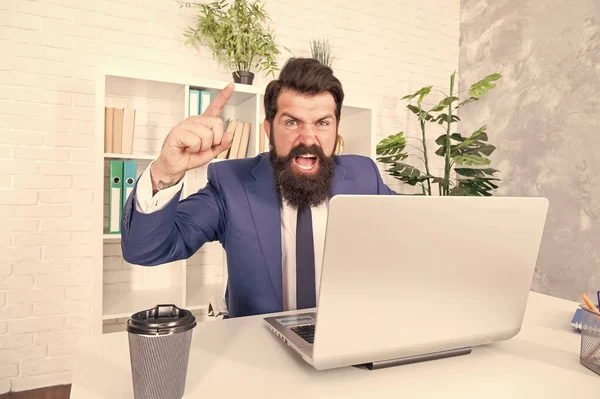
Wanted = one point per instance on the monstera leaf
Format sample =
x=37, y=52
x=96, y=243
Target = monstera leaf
x=483, y=86
x=421, y=93
x=470, y=150
x=392, y=148
x=474, y=181
x=408, y=174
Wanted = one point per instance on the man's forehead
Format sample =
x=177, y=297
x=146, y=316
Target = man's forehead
x=307, y=103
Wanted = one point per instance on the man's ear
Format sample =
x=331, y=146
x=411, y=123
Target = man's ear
x=267, y=127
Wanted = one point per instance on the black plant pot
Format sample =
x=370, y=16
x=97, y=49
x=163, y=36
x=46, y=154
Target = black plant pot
x=243, y=77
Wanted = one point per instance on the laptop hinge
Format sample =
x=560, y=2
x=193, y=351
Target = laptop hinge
x=416, y=359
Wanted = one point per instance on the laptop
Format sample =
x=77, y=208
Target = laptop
x=413, y=278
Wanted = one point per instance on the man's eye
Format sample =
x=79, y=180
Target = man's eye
x=323, y=123
x=291, y=123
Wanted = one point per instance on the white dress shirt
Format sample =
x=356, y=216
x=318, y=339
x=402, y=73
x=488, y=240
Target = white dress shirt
x=146, y=203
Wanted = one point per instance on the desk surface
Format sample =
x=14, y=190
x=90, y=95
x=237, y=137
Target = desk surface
x=241, y=357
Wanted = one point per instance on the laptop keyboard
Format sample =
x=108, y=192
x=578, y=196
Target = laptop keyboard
x=306, y=332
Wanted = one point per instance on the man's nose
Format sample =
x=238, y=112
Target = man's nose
x=307, y=136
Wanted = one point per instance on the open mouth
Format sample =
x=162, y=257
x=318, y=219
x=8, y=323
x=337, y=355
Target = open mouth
x=306, y=162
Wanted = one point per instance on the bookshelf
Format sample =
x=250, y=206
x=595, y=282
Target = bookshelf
x=160, y=101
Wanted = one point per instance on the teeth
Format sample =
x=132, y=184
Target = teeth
x=307, y=156
x=308, y=167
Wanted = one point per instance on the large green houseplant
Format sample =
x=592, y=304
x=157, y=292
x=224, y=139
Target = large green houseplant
x=236, y=34
x=467, y=156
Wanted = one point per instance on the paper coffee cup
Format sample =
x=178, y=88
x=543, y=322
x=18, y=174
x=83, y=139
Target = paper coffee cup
x=159, y=349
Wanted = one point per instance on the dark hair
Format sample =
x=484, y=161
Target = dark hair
x=305, y=76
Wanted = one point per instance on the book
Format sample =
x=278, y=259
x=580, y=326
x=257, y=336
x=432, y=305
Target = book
x=108, y=129
x=127, y=131
x=244, y=141
x=119, y=130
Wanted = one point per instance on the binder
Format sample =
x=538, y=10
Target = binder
x=194, y=102
x=115, y=196
x=205, y=98
x=129, y=179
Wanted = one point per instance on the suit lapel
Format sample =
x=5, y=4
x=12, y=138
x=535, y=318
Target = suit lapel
x=266, y=213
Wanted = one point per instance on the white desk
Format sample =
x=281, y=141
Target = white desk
x=241, y=358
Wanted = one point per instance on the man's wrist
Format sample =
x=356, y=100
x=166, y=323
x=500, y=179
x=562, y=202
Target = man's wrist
x=162, y=180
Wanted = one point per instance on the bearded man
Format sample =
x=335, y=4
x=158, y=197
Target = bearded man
x=269, y=212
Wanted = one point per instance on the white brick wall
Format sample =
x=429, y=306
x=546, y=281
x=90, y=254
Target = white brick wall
x=384, y=50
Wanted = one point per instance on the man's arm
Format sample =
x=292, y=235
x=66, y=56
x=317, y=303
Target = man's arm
x=172, y=229
x=148, y=199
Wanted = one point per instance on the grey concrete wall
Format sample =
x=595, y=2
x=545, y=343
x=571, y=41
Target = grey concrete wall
x=544, y=117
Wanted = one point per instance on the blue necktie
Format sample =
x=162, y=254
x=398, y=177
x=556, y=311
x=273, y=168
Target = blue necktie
x=305, y=261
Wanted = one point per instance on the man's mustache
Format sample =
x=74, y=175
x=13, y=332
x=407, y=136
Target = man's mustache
x=303, y=150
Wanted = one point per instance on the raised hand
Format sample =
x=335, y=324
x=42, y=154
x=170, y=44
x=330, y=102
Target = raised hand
x=192, y=143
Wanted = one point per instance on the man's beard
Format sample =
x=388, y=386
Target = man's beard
x=300, y=190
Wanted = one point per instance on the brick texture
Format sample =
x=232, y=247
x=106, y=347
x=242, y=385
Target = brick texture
x=47, y=112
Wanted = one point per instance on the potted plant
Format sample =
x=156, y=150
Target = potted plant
x=236, y=35
x=466, y=156
x=321, y=51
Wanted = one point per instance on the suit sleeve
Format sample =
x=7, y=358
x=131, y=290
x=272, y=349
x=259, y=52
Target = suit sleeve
x=177, y=230
x=382, y=188
x=145, y=202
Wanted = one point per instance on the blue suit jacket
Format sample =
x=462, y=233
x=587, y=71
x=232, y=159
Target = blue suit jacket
x=240, y=208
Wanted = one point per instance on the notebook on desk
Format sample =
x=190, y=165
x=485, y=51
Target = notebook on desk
x=577, y=317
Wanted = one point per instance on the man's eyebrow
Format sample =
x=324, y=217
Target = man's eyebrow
x=327, y=116
x=288, y=115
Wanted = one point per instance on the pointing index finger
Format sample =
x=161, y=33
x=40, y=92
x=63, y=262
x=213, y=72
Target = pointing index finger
x=220, y=101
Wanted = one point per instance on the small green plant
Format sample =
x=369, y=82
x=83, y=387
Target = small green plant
x=235, y=34
x=467, y=156
x=321, y=51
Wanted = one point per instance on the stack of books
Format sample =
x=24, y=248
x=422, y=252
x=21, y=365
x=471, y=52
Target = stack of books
x=118, y=130
x=241, y=138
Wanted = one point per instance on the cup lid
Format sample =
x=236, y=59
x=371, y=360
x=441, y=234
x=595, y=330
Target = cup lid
x=161, y=320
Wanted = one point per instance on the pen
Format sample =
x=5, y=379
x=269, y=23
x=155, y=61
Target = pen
x=589, y=303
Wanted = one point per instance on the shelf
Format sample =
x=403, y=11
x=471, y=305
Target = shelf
x=148, y=157
x=142, y=157
x=121, y=304
x=111, y=237
x=161, y=98
x=198, y=295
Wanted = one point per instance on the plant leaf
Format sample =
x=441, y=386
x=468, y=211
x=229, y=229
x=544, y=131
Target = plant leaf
x=443, y=118
x=421, y=114
x=443, y=104
x=478, y=89
x=392, y=145
x=470, y=159
x=475, y=172
x=407, y=174
x=421, y=93
x=478, y=186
